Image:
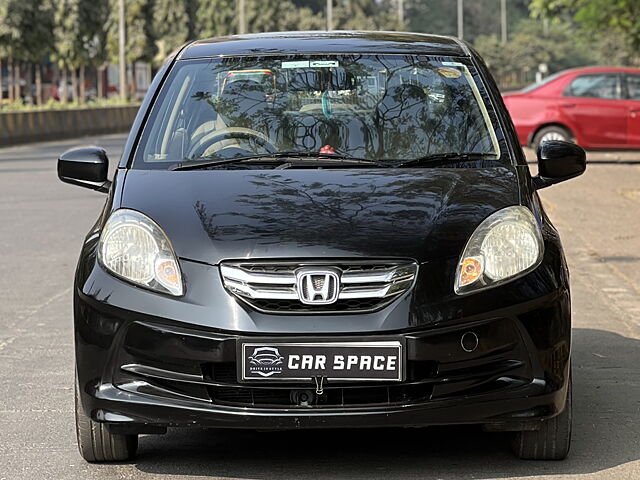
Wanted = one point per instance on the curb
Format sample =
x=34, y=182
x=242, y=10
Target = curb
x=36, y=126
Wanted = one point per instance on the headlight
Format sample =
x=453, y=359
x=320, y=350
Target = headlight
x=134, y=247
x=506, y=245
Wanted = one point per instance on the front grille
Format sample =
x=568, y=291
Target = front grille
x=226, y=390
x=276, y=287
x=353, y=306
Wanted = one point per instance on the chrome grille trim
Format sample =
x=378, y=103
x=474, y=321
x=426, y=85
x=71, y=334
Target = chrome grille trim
x=241, y=275
x=357, y=280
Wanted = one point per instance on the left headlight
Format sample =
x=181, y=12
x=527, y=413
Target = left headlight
x=506, y=245
x=134, y=247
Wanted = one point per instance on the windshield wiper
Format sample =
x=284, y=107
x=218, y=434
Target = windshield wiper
x=278, y=158
x=448, y=157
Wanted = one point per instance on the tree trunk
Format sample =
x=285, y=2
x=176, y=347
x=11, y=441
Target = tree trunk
x=134, y=84
x=29, y=82
x=64, y=98
x=81, y=96
x=39, y=84
x=1, y=85
x=10, y=79
x=100, y=81
x=74, y=84
x=16, y=81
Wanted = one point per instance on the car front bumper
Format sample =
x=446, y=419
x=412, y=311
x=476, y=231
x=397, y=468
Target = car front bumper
x=138, y=372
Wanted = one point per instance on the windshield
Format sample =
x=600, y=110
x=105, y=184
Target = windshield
x=374, y=107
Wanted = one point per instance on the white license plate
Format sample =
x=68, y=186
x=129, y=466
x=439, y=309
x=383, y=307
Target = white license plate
x=346, y=361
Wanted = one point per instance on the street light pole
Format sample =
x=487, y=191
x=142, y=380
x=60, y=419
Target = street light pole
x=241, y=18
x=329, y=14
x=503, y=20
x=121, y=52
x=401, y=13
x=460, y=19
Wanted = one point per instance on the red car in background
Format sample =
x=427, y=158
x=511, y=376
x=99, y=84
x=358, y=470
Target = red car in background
x=597, y=107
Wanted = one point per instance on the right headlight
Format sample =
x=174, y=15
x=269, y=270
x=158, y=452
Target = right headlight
x=134, y=247
x=506, y=245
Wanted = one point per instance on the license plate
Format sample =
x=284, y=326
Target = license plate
x=346, y=361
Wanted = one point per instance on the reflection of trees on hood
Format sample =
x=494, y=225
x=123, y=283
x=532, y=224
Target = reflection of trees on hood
x=360, y=213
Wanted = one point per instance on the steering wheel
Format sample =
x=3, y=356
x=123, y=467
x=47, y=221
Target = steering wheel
x=223, y=138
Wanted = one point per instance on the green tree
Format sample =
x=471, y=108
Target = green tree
x=280, y=15
x=617, y=16
x=174, y=24
x=26, y=37
x=215, y=18
x=435, y=16
x=481, y=17
x=366, y=15
x=140, y=34
x=94, y=15
x=80, y=36
x=514, y=64
x=5, y=45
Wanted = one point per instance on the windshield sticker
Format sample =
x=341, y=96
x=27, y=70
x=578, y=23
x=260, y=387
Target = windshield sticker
x=324, y=63
x=453, y=64
x=296, y=64
x=449, y=72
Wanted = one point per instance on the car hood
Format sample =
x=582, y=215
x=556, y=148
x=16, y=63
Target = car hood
x=422, y=213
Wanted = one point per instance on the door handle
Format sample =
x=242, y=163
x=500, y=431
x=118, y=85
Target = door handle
x=568, y=105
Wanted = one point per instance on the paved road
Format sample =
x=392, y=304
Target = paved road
x=42, y=222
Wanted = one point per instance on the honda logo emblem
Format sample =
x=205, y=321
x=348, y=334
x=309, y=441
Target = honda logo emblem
x=317, y=287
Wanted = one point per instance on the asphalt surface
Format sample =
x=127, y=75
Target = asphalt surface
x=42, y=223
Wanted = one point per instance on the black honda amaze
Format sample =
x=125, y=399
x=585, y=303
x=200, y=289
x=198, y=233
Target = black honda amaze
x=322, y=230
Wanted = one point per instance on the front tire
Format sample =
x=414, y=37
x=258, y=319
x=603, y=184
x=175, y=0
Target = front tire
x=96, y=443
x=551, y=441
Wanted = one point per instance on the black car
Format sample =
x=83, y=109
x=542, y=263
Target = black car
x=321, y=230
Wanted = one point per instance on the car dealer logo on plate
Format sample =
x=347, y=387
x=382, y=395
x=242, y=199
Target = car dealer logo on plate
x=265, y=361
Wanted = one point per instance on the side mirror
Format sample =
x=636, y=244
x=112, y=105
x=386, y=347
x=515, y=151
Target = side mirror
x=87, y=167
x=558, y=161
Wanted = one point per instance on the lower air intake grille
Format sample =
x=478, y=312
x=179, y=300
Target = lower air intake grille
x=416, y=389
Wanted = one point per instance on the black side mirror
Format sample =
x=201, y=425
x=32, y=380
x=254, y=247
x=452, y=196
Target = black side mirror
x=558, y=161
x=87, y=167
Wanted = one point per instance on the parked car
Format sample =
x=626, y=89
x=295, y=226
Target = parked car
x=359, y=244
x=597, y=107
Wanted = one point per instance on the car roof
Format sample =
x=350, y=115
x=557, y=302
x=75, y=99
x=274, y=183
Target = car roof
x=326, y=42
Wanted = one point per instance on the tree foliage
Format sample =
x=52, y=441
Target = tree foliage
x=215, y=18
x=140, y=35
x=366, y=15
x=481, y=17
x=617, y=16
x=174, y=24
x=26, y=29
x=529, y=47
x=281, y=15
x=79, y=32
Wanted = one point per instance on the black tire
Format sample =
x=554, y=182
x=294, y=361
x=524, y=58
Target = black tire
x=97, y=444
x=555, y=131
x=551, y=442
